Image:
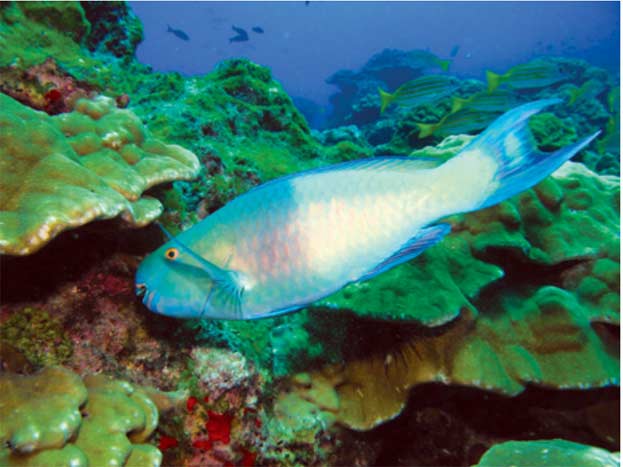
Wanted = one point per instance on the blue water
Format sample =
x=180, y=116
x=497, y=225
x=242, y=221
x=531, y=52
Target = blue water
x=305, y=44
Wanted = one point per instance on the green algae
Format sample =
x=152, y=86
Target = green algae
x=550, y=132
x=38, y=335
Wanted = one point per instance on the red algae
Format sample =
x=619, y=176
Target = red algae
x=248, y=458
x=219, y=426
x=191, y=402
x=167, y=442
x=203, y=444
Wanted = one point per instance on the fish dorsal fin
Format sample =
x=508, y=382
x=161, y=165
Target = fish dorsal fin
x=425, y=238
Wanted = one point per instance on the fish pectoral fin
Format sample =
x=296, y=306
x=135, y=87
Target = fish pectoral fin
x=425, y=238
x=225, y=297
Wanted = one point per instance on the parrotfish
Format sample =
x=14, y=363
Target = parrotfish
x=297, y=239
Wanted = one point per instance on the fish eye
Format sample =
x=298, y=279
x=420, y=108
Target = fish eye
x=171, y=253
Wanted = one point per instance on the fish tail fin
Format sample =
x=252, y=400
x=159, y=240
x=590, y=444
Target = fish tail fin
x=426, y=129
x=386, y=99
x=519, y=164
x=444, y=64
x=457, y=104
x=493, y=81
x=573, y=96
x=169, y=29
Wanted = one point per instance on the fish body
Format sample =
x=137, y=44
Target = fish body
x=462, y=121
x=535, y=74
x=419, y=91
x=178, y=33
x=257, y=29
x=426, y=59
x=297, y=239
x=496, y=101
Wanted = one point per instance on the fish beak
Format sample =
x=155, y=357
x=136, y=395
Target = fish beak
x=140, y=289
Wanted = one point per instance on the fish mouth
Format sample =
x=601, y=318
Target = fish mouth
x=140, y=289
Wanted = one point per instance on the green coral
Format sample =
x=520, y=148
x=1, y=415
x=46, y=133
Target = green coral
x=39, y=411
x=55, y=418
x=547, y=453
x=550, y=132
x=93, y=163
x=39, y=336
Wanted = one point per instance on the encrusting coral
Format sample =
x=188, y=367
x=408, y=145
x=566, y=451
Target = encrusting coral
x=65, y=171
x=547, y=453
x=55, y=418
x=40, y=411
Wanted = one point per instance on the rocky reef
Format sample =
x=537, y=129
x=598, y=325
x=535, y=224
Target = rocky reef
x=504, y=335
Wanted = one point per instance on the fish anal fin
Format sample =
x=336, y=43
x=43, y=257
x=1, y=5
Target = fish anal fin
x=425, y=238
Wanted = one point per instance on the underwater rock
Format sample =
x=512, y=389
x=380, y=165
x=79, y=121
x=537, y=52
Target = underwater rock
x=350, y=133
x=387, y=69
x=547, y=453
x=44, y=87
x=47, y=420
x=39, y=337
x=93, y=163
x=115, y=28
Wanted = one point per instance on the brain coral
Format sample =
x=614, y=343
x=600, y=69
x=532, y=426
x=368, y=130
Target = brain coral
x=55, y=418
x=64, y=171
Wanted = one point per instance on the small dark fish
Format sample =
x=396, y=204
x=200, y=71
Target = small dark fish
x=455, y=50
x=241, y=35
x=257, y=29
x=425, y=59
x=307, y=2
x=178, y=33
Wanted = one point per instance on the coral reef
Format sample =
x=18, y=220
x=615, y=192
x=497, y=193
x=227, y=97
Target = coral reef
x=480, y=340
x=55, y=417
x=38, y=336
x=44, y=87
x=93, y=163
x=546, y=453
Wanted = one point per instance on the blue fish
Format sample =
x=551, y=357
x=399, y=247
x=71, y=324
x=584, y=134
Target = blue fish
x=299, y=238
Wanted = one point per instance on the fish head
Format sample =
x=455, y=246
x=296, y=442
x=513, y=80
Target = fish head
x=173, y=282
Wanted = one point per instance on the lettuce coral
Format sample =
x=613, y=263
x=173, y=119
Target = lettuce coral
x=65, y=171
